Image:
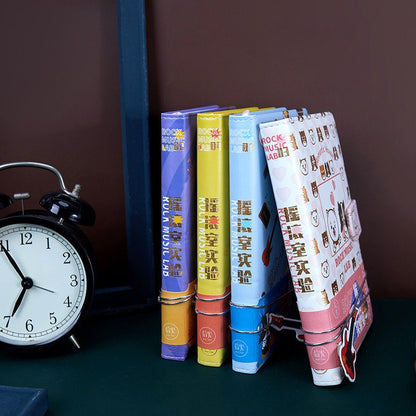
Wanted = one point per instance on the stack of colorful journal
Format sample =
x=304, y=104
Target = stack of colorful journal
x=259, y=228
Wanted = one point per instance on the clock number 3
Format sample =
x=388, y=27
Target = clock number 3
x=74, y=280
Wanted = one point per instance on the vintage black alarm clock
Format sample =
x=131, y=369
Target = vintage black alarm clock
x=46, y=266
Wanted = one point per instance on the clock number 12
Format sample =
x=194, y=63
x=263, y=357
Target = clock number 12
x=25, y=239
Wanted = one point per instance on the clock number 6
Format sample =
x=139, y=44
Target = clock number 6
x=29, y=326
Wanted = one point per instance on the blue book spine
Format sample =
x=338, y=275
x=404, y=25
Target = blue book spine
x=260, y=276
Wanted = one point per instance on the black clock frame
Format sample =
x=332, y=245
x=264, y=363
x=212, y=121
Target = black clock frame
x=79, y=241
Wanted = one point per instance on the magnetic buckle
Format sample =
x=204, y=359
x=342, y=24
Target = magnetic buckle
x=353, y=220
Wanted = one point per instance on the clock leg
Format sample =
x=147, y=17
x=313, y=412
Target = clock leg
x=75, y=342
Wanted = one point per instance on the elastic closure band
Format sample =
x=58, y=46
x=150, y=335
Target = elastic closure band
x=300, y=332
x=179, y=300
x=265, y=328
x=341, y=326
x=275, y=321
x=214, y=299
x=239, y=331
x=212, y=313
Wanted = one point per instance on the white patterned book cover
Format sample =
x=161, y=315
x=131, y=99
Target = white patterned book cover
x=320, y=227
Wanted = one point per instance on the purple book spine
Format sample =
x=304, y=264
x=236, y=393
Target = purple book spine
x=178, y=216
x=178, y=201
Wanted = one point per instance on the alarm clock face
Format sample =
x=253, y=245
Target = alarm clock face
x=45, y=281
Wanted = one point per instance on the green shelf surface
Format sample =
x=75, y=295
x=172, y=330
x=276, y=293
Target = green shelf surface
x=119, y=371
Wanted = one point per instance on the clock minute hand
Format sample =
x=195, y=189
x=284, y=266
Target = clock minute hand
x=12, y=262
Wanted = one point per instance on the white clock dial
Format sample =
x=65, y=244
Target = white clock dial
x=43, y=284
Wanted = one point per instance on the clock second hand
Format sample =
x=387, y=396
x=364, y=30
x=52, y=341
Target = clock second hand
x=43, y=288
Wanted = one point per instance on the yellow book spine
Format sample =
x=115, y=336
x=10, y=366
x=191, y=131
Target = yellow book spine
x=213, y=205
x=213, y=228
x=213, y=201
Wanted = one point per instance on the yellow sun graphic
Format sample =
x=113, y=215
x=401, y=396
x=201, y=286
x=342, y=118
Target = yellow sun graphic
x=179, y=134
x=177, y=219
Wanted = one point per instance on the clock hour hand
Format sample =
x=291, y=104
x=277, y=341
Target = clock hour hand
x=12, y=262
x=19, y=301
x=27, y=283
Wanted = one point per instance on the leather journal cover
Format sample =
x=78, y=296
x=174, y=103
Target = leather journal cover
x=260, y=276
x=178, y=231
x=320, y=227
x=213, y=237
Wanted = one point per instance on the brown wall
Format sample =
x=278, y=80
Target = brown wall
x=60, y=104
x=353, y=58
x=59, y=100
